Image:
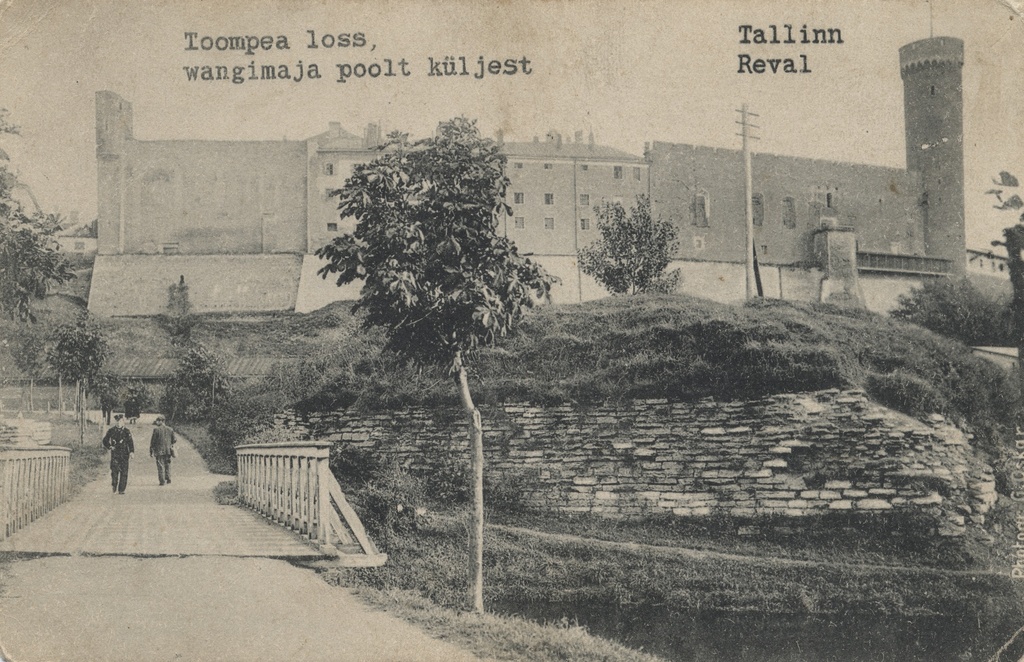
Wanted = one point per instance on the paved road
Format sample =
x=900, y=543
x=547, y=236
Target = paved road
x=164, y=573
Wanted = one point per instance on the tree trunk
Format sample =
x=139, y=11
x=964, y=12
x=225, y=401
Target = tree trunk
x=476, y=529
x=60, y=397
x=31, y=394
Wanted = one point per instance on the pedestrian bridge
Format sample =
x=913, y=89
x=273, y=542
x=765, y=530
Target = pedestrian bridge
x=183, y=518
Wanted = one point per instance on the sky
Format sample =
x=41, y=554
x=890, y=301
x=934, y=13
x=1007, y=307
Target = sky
x=631, y=72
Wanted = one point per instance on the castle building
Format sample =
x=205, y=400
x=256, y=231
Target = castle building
x=242, y=219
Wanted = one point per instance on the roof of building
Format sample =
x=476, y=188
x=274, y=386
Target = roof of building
x=164, y=367
x=567, y=150
x=338, y=138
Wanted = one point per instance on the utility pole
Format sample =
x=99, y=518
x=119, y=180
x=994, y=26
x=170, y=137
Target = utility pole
x=751, y=280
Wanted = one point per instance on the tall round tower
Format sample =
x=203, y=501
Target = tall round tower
x=933, y=108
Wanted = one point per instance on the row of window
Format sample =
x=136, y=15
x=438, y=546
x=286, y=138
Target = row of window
x=549, y=223
x=701, y=209
x=549, y=199
x=617, y=171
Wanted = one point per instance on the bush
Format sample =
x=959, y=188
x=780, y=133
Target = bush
x=958, y=310
x=389, y=504
x=907, y=393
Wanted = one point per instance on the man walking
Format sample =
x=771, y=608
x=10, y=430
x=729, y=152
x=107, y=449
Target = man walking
x=118, y=441
x=161, y=446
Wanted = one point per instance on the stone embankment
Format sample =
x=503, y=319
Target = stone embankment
x=792, y=455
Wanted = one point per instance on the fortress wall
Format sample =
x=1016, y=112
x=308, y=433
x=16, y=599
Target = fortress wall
x=127, y=285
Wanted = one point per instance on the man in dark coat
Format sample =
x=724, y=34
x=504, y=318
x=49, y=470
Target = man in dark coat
x=118, y=441
x=161, y=446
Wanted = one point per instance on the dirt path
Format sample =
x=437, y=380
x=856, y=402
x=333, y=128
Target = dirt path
x=164, y=573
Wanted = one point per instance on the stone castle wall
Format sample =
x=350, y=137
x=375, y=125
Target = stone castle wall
x=792, y=455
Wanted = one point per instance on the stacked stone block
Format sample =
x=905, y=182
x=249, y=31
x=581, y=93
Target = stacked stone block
x=792, y=455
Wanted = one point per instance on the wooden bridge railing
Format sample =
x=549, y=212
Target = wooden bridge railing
x=35, y=480
x=292, y=484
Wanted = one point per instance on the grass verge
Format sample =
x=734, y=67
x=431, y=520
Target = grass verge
x=87, y=462
x=521, y=568
x=218, y=458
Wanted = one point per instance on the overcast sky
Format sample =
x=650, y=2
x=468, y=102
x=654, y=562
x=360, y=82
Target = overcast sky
x=631, y=72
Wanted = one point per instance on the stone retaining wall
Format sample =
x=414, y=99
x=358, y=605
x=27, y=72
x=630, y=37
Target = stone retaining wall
x=792, y=455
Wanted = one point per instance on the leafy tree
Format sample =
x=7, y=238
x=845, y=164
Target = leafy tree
x=1014, y=243
x=109, y=388
x=28, y=350
x=633, y=252
x=438, y=279
x=196, y=385
x=77, y=354
x=956, y=309
x=30, y=261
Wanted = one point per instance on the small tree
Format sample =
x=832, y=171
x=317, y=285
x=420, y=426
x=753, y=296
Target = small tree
x=179, y=320
x=77, y=353
x=633, y=251
x=439, y=281
x=30, y=260
x=198, y=383
x=29, y=353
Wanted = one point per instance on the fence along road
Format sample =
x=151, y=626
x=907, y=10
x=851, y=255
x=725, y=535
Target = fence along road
x=216, y=591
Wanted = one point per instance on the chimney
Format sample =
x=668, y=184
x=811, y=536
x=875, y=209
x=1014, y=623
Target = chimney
x=578, y=136
x=335, y=129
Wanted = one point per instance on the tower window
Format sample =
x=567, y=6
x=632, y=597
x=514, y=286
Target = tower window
x=547, y=166
x=517, y=198
x=549, y=198
x=829, y=201
x=584, y=167
x=933, y=90
x=789, y=212
x=518, y=165
x=584, y=199
x=328, y=169
x=700, y=210
x=520, y=222
x=332, y=227
x=584, y=224
x=758, y=207
x=549, y=224
x=617, y=172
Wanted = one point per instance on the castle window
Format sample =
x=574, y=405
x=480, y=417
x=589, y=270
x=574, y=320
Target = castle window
x=617, y=172
x=517, y=198
x=520, y=222
x=789, y=212
x=757, y=202
x=332, y=227
x=547, y=166
x=636, y=174
x=700, y=210
x=549, y=224
x=829, y=201
x=584, y=224
x=764, y=249
x=933, y=90
x=328, y=169
x=518, y=165
x=584, y=167
x=549, y=198
x=584, y=199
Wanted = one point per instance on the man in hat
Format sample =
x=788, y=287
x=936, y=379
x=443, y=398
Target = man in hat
x=161, y=447
x=118, y=441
